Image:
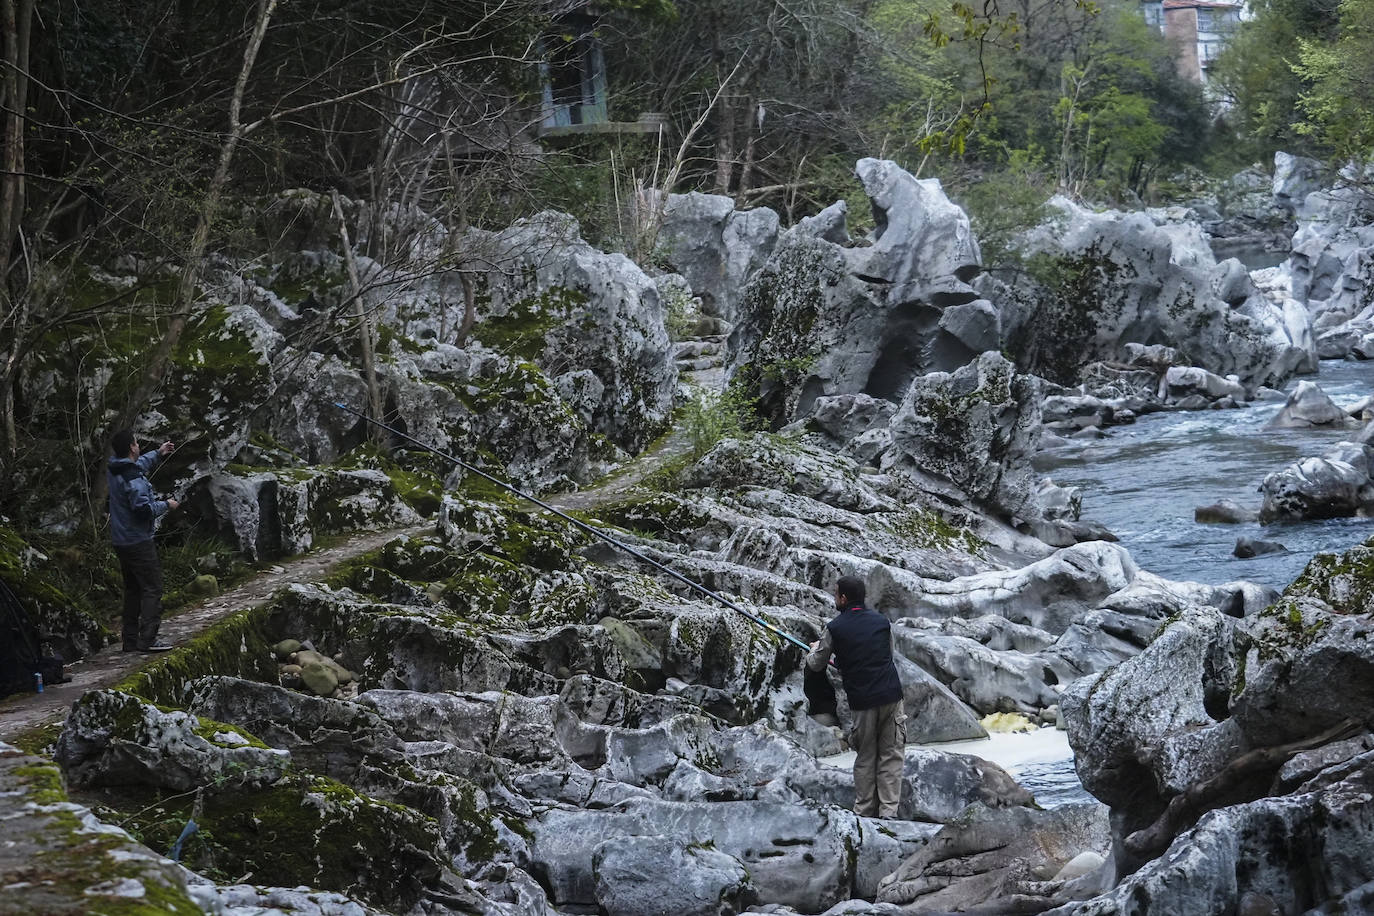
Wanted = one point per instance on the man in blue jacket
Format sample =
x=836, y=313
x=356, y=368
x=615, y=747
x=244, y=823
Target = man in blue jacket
x=133, y=509
x=861, y=641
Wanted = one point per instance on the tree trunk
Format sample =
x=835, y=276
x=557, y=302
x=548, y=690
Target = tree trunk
x=469, y=310
x=156, y=366
x=16, y=17
x=374, y=393
x=749, y=123
x=725, y=147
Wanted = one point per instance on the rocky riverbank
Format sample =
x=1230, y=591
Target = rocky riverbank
x=505, y=715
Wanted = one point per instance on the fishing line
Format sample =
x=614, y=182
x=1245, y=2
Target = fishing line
x=583, y=526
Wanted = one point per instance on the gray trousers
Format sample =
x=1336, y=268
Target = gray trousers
x=142, y=594
x=878, y=737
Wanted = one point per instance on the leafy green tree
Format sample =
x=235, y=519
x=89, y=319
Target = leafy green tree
x=1339, y=77
x=1259, y=71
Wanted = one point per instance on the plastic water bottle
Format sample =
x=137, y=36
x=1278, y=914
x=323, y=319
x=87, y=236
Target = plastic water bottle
x=38, y=681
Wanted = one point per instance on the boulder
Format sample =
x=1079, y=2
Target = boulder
x=647, y=875
x=716, y=247
x=1180, y=381
x=600, y=311
x=1309, y=407
x=990, y=854
x=804, y=857
x=1328, y=487
x=1224, y=512
x=1247, y=547
x=112, y=738
x=822, y=319
x=1116, y=280
x=1295, y=177
x=976, y=427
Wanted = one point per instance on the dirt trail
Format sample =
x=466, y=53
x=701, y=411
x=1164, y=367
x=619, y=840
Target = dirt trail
x=111, y=665
x=18, y=713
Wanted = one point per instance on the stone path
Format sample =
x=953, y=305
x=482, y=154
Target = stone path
x=701, y=365
x=110, y=665
x=700, y=362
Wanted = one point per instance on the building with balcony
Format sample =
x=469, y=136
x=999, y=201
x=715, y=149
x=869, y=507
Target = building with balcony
x=1198, y=30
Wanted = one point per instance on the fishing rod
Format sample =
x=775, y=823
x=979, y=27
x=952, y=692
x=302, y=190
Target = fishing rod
x=595, y=532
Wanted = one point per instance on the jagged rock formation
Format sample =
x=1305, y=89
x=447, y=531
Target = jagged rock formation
x=1259, y=739
x=1109, y=279
x=516, y=718
x=716, y=247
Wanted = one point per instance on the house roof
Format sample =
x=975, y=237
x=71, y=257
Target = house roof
x=1203, y=4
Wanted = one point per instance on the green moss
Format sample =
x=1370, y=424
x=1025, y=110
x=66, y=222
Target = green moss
x=303, y=830
x=210, y=728
x=1344, y=582
x=783, y=308
x=239, y=645
x=68, y=859
x=39, y=739
x=1079, y=294
x=929, y=530
x=522, y=330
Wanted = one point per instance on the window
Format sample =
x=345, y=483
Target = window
x=1204, y=21
x=1154, y=14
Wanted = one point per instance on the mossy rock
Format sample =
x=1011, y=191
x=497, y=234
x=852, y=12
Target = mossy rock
x=320, y=678
x=303, y=830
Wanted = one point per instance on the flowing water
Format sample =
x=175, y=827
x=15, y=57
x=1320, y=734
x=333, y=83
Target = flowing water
x=1143, y=482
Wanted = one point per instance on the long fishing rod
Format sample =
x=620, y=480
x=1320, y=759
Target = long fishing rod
x=595, y=532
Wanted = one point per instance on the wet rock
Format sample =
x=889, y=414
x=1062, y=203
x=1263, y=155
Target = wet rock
x=1224, y=512
x=1247, y=548
x=1182, y=382
x=1308, y=407
x=639, y=875
x=1328, y=487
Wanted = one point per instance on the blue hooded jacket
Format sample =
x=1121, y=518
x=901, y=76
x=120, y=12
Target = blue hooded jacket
x=133, y=507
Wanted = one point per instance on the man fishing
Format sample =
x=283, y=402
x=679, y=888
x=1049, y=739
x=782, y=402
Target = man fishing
x=861, y=641
x=133, y=509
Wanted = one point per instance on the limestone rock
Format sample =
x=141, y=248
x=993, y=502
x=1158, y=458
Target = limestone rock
x=1246, y=547
x=646, y=875
x=976, y=427
x=112, y=738
x=988, y=853
x=1329, y=487
x=1308, y=407
x=1224, y=512
x=822, y=319
x=716, y=247
x=1120, y=280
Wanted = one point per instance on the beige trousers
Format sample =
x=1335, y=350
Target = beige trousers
x=878, y=737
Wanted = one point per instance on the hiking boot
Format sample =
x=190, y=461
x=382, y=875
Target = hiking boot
x=156, y=647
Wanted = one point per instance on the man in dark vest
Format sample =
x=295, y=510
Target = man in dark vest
x=133, y=508
x=861, y=641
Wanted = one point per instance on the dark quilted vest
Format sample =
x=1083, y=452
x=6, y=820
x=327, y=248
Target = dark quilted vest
x=862, y=640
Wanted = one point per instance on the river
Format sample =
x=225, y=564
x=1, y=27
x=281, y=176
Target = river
x=1143, y=482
